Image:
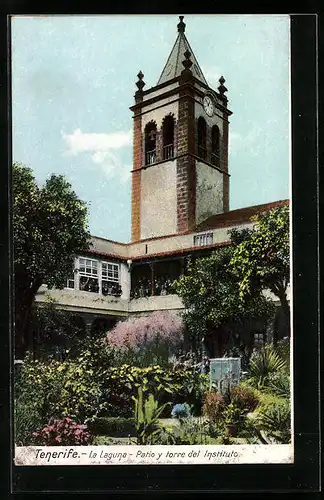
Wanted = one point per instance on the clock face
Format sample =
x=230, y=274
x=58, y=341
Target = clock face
x=208, y=105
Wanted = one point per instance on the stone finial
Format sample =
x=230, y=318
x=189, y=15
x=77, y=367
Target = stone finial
x=181, y=25
x=187, y=63
x=222, y=89
x=140, y=83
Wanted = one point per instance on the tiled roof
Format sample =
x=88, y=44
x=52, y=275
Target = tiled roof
x=227, y=219
x=239, y=216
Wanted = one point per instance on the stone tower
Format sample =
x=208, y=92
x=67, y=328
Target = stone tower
x=180, y=163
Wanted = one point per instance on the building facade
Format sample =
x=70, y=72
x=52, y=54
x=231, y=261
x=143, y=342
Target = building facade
x=180, y=199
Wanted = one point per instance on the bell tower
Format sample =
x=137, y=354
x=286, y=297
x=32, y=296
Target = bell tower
x=180, y=150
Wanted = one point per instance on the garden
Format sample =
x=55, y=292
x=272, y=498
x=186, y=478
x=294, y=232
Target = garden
x=143, y=382
x=136, y=386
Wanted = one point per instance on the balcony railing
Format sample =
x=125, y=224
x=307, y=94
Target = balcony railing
x=202, y=152
x=143, y=288
x=150, y=157
x=215, y=160
x=168, y=151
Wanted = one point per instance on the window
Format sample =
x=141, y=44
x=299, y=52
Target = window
x=215, y=156
x=201, y=240
x=70, y=282
x=202, y=151
x=99, y=277
x=88, y=275
x=258, y=339
x=150, y=143
x=110, y=279
x=168, y=137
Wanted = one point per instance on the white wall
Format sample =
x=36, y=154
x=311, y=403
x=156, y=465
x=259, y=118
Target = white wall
x=159, y=110
x=78, y=300
x=158, y=303
x=108, y=246
x=125, y=281
x=158, y=200
x=209, y=192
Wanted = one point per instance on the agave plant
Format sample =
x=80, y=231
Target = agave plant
x=275, y=422
x=264, y=363
x=147, y=414
x=279, y=384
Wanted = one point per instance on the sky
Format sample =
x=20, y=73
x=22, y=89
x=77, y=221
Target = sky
x=73, y=81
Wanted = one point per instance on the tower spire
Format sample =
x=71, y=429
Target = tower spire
x=181, y=25
x=173, y=67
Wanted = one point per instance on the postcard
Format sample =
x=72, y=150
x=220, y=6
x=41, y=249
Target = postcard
x=152, y=227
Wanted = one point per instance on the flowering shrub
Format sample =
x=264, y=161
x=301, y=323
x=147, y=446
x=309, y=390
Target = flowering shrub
x=181, y=411
x=64, y=432
x=214, y=406
x=244, y=398
x=146, y=340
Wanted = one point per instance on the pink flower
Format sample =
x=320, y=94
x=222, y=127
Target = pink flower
x=58, y=439
x=160, y=326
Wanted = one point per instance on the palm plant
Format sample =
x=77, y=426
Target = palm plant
x=264, y=363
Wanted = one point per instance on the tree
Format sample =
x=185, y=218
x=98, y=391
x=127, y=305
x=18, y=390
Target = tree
x=49, y=231
x=210, y=293
x=261, y=260
x=55, y=330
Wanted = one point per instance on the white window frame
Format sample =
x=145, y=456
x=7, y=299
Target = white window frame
x=69, y=280
x=87, y=274
x=113, y=266
x=101, y=274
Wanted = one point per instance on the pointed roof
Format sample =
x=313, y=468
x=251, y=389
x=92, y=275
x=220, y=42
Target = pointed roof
x=174, y=66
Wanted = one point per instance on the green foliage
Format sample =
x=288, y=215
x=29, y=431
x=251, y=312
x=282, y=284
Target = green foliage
x=211, y=295
x=264, y=363
x=27, y=412
x=194, y=390
x=233, y=415
x=147, y=414
x=176, y=386
x=283, y=350
x=56, y=331
x=190, y=432
x=88, y=386
x=72, y=388
x=261, y=260
x=66, y=389
x=112, y=426
x=274, y=422
x=279, y=384
x=49, y=230
x=41, y=251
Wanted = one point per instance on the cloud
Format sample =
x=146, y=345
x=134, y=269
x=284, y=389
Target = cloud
x=79, y=142
x=102, y=149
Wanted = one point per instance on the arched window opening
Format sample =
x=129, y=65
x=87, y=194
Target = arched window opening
x=215, y=156
x=150, y=143
x=202, y=151
x=168, y=137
